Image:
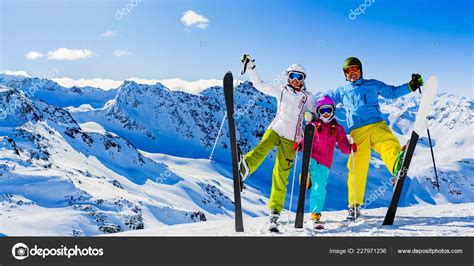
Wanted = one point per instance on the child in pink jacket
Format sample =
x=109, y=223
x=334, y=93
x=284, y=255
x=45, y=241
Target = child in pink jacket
x=327, y=133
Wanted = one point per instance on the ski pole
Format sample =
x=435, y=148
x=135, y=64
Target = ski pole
x=432, y=157
x=224, y=118
x=218, y=135
x=225, y=114
x=293, y=184
x=432, y=153
x=354, y=178
x=353, y=169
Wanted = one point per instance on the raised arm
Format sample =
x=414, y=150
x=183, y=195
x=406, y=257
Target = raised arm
x=335, y=95
x=257, y=82
x=391, y=92
x=310, y=103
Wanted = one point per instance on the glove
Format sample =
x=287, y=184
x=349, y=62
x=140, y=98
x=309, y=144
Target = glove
x=416, y=82
x=248, y=62
x=297, y=146
x=353, y=147
x=245, y=58
x=308, y=116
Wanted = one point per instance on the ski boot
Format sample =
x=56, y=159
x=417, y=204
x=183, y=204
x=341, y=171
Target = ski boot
x=243, y=168
x=353, y=214
x=398, y=165
x=274, y=224
x=316, y=218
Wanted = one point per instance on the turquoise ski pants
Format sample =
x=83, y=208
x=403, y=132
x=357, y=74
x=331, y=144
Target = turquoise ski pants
x=319, y=178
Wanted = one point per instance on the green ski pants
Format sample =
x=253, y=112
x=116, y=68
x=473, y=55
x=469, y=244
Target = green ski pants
x=282, y=168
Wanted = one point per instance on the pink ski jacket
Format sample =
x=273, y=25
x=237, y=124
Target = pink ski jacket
x=324, y=142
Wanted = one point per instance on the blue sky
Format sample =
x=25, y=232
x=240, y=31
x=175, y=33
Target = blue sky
x=392, y=38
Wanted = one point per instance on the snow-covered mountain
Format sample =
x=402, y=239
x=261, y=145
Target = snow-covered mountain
x=55, y=94
x=136, y=156
x=57, y=179
x=157, y=119
x=186, y=125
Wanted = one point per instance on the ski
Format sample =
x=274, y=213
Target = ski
x=273, y=228
x=318, y=226
x=429, y=92
x=346, y=222
x=229, y=101
x=307, y=146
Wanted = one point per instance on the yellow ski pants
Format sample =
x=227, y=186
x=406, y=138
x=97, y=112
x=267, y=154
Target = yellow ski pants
x=376, y=136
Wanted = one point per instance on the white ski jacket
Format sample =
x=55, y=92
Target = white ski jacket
x=291, y=106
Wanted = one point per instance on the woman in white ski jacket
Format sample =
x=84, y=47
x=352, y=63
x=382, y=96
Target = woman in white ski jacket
x=285, y=130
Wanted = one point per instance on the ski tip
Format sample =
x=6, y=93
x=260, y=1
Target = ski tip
x=228, y=80
x=228, y=74
x=431, y=82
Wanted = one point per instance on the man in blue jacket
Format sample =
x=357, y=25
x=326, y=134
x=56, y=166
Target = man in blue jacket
x=367, y=127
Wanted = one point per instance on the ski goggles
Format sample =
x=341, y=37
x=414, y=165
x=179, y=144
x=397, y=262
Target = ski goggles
x=296, y=75
x=351, y=69
x=326, y=109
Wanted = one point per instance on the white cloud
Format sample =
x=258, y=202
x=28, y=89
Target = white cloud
x=120, y=53
x=175, y=84
x=15, y=73
x=191, y=18
x=109, y=34
x=69, y=54
x=33, y=55
x=105, y=84
x=193, y=87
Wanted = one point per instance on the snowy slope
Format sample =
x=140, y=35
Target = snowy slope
x=159, y=120
x=56, y=179
x=451, y=220
x=451, y=126
x=136, y=157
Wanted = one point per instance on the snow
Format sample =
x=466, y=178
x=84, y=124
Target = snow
x=84, y=161
x=450, y=220
x=4, y=89
x=34, y=214
x=36, y=220
x=92, y=127
x=81, y=108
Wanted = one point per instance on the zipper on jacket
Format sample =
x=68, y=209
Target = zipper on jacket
x=365, y=99
x=281, y=99
x=298, y=125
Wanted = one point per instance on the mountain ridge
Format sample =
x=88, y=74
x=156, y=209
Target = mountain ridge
x=143, y=126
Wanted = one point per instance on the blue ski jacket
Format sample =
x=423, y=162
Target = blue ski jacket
x=360, y=100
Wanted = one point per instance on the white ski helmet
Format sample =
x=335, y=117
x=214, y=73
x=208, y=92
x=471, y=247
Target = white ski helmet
x=296, y=68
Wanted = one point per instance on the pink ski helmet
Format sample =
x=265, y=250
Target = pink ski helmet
x=325, y=100
x=324, y=106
